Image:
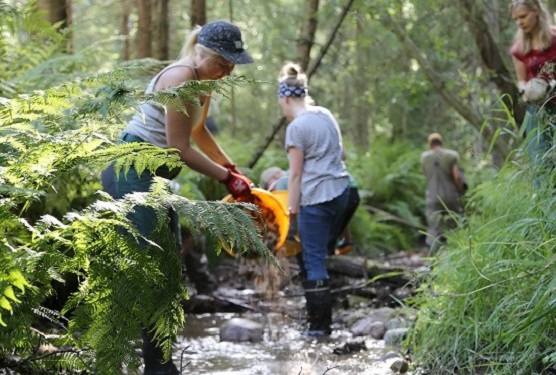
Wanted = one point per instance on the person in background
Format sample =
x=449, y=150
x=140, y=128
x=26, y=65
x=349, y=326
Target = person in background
x=534, y=57
x=273, y=179
x=209, y=53
x=444, y=189
x=317, y=189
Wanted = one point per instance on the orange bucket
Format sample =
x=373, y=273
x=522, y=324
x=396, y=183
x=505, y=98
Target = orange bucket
x=275, y=217
x=289, y=248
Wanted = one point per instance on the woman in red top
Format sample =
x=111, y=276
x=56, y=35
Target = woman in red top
x=534, y=57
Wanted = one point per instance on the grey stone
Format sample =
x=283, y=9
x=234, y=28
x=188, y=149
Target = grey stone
x=399, y=366
x=384, y=314
x=362, y=326
x=390, y=355
x=377, y=330
x=399, y=322
x=241, y=330
x=395, y=336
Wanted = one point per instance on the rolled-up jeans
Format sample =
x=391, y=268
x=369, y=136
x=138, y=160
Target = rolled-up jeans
x=317, y=225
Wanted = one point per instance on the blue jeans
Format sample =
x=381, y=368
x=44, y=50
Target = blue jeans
x=538, y=131
x=317, y=224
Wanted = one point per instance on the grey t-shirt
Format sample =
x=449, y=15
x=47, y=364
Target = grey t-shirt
x=437, y=165
x=318, y=135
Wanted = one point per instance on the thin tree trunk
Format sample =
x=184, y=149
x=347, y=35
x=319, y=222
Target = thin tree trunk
x=308, y=30
x=232, y=91
x=331, y=38
x=68, y=26
x=198, y=13
x=126, y=11
x=399, y=108
x=144, y=29
x=492, y=58
x=161, y=30
x=59, y=11
x=361, y=108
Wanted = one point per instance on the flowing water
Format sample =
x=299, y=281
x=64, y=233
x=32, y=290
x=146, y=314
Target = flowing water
x=283, y=350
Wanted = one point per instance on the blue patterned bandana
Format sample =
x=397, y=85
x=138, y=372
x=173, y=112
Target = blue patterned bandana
x=224, y=38
x=295, y=91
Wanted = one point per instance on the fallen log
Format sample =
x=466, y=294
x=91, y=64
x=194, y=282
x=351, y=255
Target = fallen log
x=358, y=267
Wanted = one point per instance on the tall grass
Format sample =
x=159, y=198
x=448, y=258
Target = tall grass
x=489, y=305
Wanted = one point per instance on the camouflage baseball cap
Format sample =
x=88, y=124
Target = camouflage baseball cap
x=224, y=38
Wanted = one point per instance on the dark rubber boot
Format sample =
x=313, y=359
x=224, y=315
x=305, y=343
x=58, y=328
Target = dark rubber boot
x=153, y=358
x=319, y=307
x=196, y=266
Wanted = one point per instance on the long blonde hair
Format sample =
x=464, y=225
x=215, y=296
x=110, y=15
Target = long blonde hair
x=525, y=40
x=191, y=47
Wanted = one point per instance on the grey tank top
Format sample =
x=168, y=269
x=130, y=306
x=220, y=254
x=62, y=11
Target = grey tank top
x=149, y=123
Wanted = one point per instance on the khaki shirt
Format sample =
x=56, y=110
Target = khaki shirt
x=437, y=166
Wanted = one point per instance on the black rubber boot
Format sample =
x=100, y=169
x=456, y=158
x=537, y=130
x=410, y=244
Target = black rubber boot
x=153, y=358
x=319, y=307
x=196, y=266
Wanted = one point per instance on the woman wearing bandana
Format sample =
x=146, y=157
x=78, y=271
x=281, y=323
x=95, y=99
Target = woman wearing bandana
x=317, y=189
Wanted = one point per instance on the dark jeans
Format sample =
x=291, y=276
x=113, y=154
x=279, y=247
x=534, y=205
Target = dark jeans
x=539, y=132
x=345, y=217
x=317, y=225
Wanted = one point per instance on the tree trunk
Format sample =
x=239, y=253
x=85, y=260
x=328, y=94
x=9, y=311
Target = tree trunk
x=357, y=267
x=126, y=12
x=59, y=11
x=161, y=30
x=492, y=58
x=198, y=13
x=308, y=30
x=233, y=110
x=361, y=108
x=144, y=30
x=399, y=106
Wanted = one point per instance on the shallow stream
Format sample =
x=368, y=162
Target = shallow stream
x=283, y=350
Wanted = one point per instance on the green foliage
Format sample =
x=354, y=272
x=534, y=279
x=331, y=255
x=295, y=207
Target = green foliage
x=488, y=305
x=32, y=52
x=392, y=187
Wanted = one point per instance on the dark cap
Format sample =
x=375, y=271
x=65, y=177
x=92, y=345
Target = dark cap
x=224, y=38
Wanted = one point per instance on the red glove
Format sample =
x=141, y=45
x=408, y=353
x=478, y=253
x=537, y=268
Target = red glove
x=237, y=184
x=232, y=168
